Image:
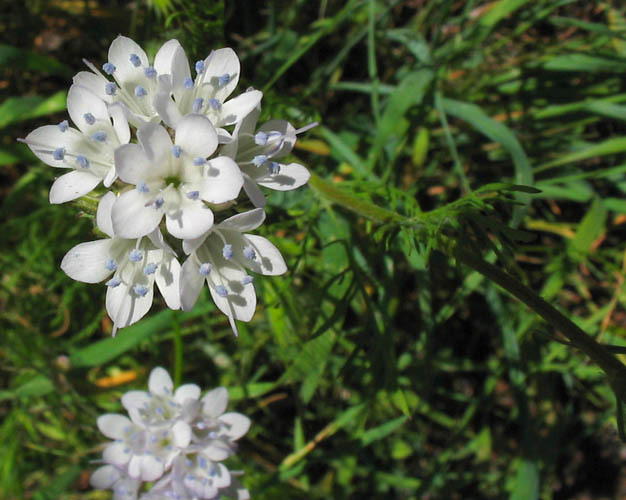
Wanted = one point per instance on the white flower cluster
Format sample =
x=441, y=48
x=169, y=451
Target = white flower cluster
x=172, y=439
x=195, y=150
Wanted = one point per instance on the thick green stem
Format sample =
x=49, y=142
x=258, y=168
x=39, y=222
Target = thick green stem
x=178, y=349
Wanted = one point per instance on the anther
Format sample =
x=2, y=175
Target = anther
x=227, y=251
x=224, y=79
x=260, y=139
x=259, y=160
x=199, y=66
x=246, y=280
x=63, y=126
x=140, y=290
x=58, y=154
x=215, y=104
x=249, y=253
x=140, y=91
x=100, y=136
x=205, y=269
x=108, y=68
x=193, y=195
x=89, y=118
x=111, y=265
x=135, y=255
x=142, y=187
x=177, y=151
x=82, y=161
x=113, y=282
x=110, y=88
x=134, y=59
x=199, y=161
x=221, y=291
x=274, y=168
x=197, y=104
x=150, y=268
x=158, y=203
x=150, y=72
x=188, y=83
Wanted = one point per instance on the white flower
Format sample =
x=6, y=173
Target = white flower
x=220, y=258
x=110, y=477
x=135, y=265
x=216, y=78
x=88, y=151
x=256, y=151
x=173, y=180
x=136, y=81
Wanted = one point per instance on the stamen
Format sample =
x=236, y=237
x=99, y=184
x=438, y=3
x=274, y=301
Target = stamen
x=134, y=59
x=306, y=127
x=193, y=195
x=63, y=126
x=142, y=187
x=58, y=154
x=227, y=251
x=158, y=203
x=177, y=151
x=246, y=280
x=114, y=282
x=221, y=291
x=89, y=118
x=150, y=72
x=202, y=462
x=135, y=255
x=140, y=91
x=205, y=269
x=111, y=265
x=100, y=136
x=215, y=104
x=108, y=68
x=110, y=88
x=259, y=160
x=249, y=253
x=82, y=161
x=274, y=168
x=199, y=161
x=199, y=67
x=260, y=139
x=224, y=79
x=140, y=290
x=188, y=83
x=197, y=104
x=150, y=268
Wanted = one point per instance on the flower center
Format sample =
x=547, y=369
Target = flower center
x=173, y=180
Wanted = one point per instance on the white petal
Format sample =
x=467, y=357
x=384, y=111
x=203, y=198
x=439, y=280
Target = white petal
x=168, y=281
x=236, y=109
x=135, y=399
x=94, y=83
x=191, y=220
x=119, y=54
x=214, y=402
x=116, y=454
x=104, y=477
x=238, y=424
x=73, y=185
x=288, y=132
x=291, y=176
x=80, y=101
x=43, y=141
x=132, y=218
x=223, y=180
x=119, y=113
x=196, y=135
x=217, y=451
x=240, y=302
x=180, y=72
x=222, y=62
x=164, y=58
x=167, y=109
x=185, y=392
x=254, y=193
x=132, y=163
x=182, y=434
x=191, y=282
x=269, y=261
x=103, y=215
x=192, y=244
x=245, y=221
x=113, y=425
x=134, y=467
x=126, y=308
x=160, y=383
x=248, y=124
x=156, y=142
x=86, y=262
x=151, y=468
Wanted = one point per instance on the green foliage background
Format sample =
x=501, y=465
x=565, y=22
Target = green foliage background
x=378, y=367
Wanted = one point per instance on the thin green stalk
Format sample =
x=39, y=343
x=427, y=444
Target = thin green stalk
x=178, y=349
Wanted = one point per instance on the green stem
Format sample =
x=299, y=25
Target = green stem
x=178, y=349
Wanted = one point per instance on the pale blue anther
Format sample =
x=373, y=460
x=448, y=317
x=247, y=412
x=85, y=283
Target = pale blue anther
x=246, y=280
x=215, y=104
x=100, y=136
x=89, y=118
x=150, y=72
x=205, y=269
x=82, y=161
x=111, y=265
x=108, y=68
x=213, y=435
x=259, y=160
x=205, y=481
x=221, y=291
x=110, y=88
x=177, y=151
x=227, y=251
x=135, y=255
x=189, y=463
x=150, y=268
x=140, y=91
x=199, y=66
x=274, y=168
x=142, y=187
x=158, y=203
x=159, y=411
x=193, y=195
x=134, y=59
x=199, y=161
x=202, y=462
x=63, y=126
x=197, y=104
x=58, y=154
x=249, y=253
x=223, y=80
x=142, y=291
x=113, y=282
x=188, y=82
x=260, y=138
